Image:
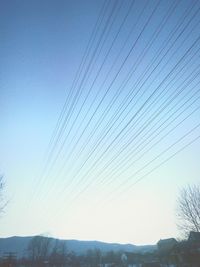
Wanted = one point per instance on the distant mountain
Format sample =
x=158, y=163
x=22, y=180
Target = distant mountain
x=19, y=246
x=14, y=244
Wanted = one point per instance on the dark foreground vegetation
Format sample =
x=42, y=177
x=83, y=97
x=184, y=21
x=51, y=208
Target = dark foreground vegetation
x=43, y=251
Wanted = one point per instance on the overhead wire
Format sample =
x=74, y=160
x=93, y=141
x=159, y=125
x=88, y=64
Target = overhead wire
x=124, y=61
x=112, y=194
x=135, y=114
x=108, y=127
x=129, y=155
x=92, y=85
x=158, y=156
x=78, y=72
x=51, y=146
x=92, y=58
x=120, y=133
x=148, y=122
x=190, y=8
x=123, y=102
x=119, y=91
x=58, y=128
x=63, y=127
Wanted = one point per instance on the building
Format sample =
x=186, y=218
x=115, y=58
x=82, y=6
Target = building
x=166, y=245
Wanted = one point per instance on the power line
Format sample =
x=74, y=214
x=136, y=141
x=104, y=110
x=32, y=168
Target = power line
x=124, y=61
x=95, y=79
x=139, y=110
x=86, y=54
x=169, y=74
x=164, y=161
x=77, y=76
x=128, y=125
x=110, y=126
x=116, y=156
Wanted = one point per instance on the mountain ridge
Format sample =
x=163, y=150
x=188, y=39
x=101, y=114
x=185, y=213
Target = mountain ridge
x=19, y=244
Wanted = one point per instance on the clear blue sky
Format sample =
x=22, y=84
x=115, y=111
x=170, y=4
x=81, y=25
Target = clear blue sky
x=83, y=185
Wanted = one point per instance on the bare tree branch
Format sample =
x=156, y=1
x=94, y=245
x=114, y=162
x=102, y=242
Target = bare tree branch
x=3, y=202
x=188, y=209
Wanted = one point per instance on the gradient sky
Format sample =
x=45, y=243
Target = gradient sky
x=42, y=44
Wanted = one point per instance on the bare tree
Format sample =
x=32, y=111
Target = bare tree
x=188, y=209
x=39, y=249
x=58, y=255
x=3, y=202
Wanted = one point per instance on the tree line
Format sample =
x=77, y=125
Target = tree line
x=44, y=251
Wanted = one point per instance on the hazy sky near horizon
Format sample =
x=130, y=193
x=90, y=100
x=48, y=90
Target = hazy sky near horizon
x=134, y=104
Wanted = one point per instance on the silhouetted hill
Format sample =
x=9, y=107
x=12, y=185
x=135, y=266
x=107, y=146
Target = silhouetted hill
x=20, y=244
x=14, y=244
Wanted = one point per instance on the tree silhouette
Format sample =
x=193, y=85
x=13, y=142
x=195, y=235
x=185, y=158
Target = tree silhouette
x=3, y=202
x=188, y=209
